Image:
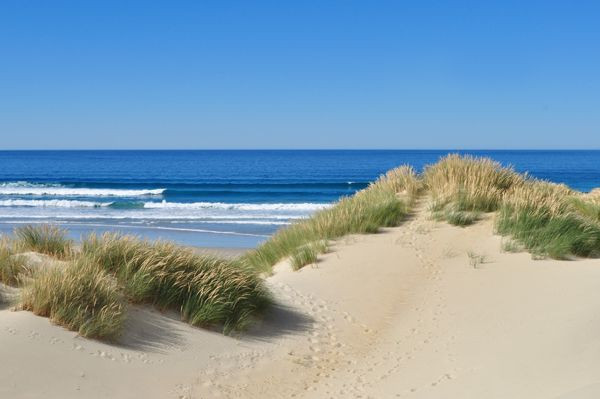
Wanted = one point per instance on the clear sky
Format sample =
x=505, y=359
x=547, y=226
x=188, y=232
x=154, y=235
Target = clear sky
x=299, y=74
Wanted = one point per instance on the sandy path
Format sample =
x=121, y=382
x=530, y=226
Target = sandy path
x=405, y=314
x=397, y=314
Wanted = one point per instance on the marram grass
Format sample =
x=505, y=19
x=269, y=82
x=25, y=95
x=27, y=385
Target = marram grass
x=545, y=218
x=307, y=254
x=469, y=183
x=550, y=219
x=385, y=203
x=44, y=238
x=205, y=289
x=81, y=297
x=13, y=267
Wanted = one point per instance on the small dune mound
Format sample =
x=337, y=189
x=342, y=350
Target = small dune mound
x=35, y=260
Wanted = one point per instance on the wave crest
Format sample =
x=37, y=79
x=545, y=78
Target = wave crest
x=306, y=206
x=36, y=189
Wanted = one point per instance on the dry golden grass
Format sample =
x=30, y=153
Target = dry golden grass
x=205, y=289
x=82, y=297
x=547, y=219
x=469, y=183
x=13, y=268
x=540, y=197
x=44, y=238
x=403, y=181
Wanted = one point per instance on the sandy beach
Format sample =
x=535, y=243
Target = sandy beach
x=403, y=313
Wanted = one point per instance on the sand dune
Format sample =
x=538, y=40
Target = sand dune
x=404, y=313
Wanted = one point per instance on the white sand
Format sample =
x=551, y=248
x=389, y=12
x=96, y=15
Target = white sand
x=398, y=314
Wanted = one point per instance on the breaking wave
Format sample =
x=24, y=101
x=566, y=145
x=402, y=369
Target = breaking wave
x=26, y=188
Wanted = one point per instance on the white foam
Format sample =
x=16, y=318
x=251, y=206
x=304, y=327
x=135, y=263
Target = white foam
x=298, y=207
x=25, y=188
x=192, y=206
x=52, y=203
x=258, y=219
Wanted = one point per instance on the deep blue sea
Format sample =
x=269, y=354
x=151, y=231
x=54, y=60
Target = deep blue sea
x=219, y=198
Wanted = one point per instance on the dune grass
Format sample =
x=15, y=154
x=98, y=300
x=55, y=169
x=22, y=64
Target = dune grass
x=205, y=289
x=385, y=203
x=308, y=254
x=44, y=238
x=13, y=268
x=545, y=218
x=466, y=183
x=457, y=218
x=82, y=297
x=588, y=207
x=89, y=295
x=550, y=219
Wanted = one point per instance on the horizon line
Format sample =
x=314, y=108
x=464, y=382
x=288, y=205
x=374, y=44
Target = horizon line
x=297, y=149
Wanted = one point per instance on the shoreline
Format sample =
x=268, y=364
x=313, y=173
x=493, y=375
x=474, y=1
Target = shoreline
x=222, y=251
x=186, y=237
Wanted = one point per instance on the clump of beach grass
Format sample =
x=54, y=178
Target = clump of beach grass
x=449, y=213
x=81, y=297
x=44, y=238
x=205, y=289
x=545, y=218
x=550, y=219
x=467, y=184
x=385, y=203
x=510, y=245
x=13, y=267
x=588, y=206
x=307, y=254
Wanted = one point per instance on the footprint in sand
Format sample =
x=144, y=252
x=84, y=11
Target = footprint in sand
x=78, y=347
x=54, y=340
x=34, y=335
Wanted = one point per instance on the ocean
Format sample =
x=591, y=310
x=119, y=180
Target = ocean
x=219, y=198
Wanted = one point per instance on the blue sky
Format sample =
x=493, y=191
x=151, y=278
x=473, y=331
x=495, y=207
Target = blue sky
x=306, y=74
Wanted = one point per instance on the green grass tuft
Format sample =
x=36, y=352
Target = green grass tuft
x=545, y=218
x=46, y=239
x=82, y=297
x=461, y=218
x=13, y=267
x=549, y=220
x=307, y=254
x=206, y=290
x=511, y=246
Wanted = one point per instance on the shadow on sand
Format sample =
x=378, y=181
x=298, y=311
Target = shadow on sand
x=279, y=320
x=148, y=329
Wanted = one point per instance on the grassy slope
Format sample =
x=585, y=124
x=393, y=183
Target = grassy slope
x=206, y=290
x=89, y=295
x=545, y=218
x=383, y=204
x=82, y=297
